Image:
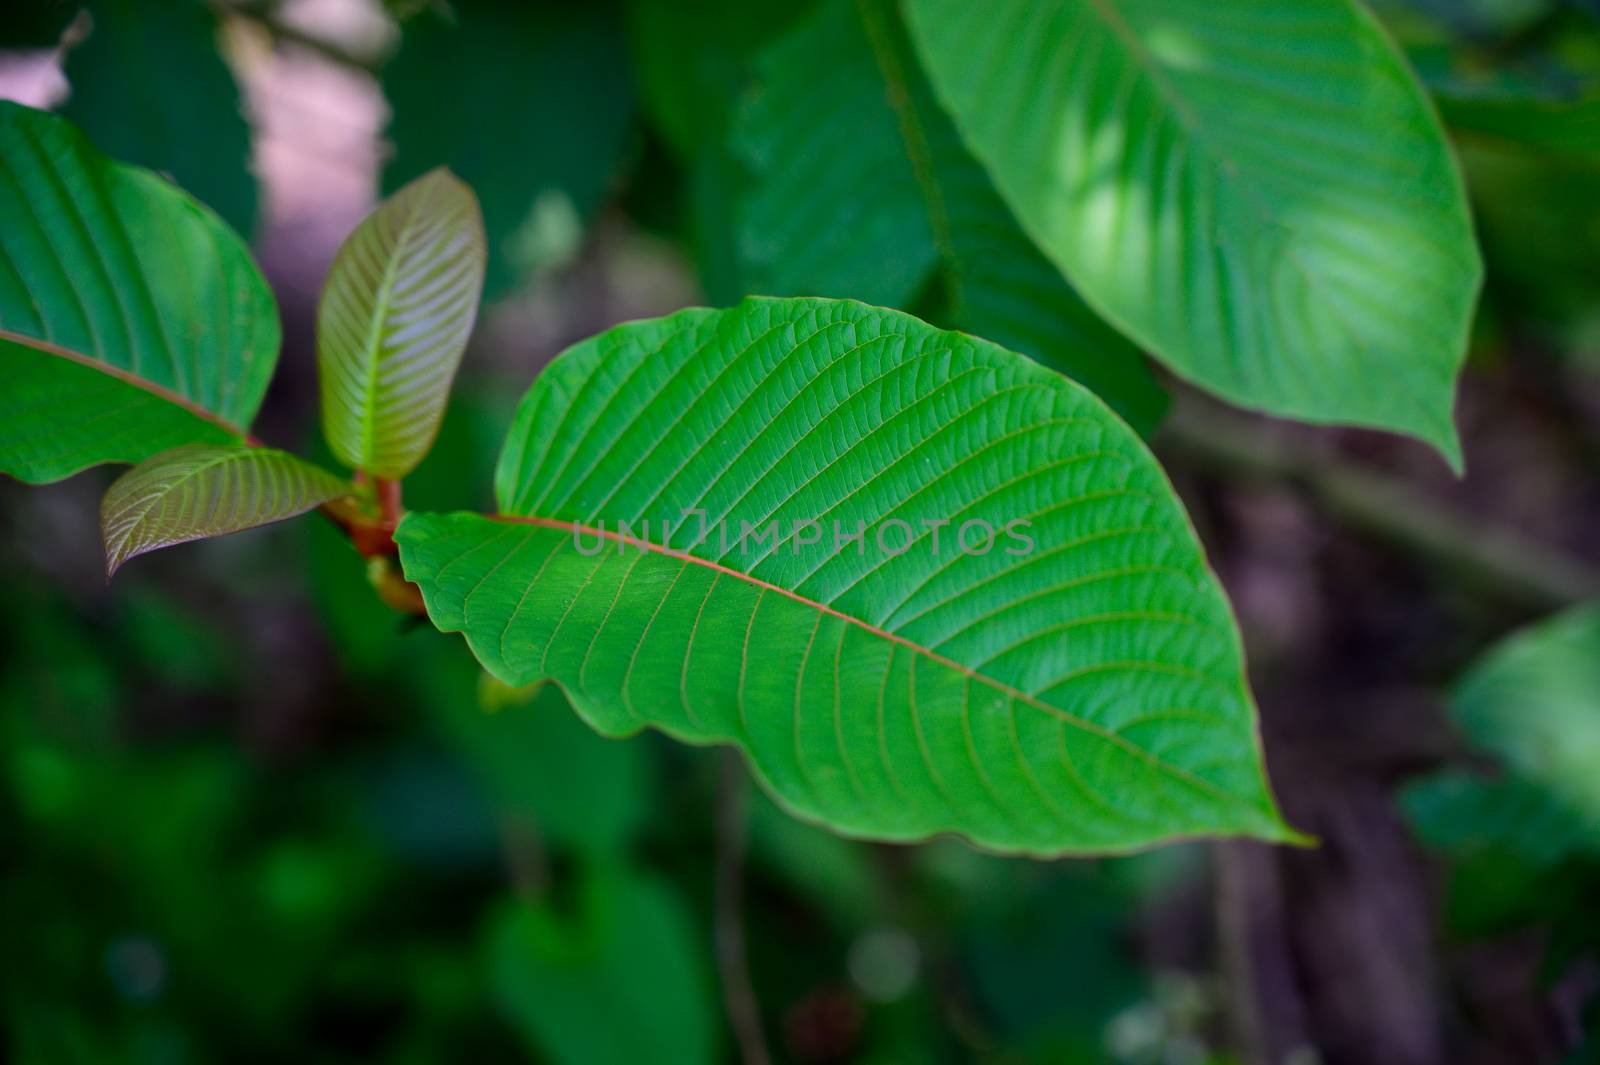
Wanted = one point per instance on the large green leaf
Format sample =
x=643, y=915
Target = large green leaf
x=529, y=103
x=150, y=87
x=1085, y=695
x=131, y=319
x=905, y=206
x=394, y=319
x=1256, y=191
x=191, y=493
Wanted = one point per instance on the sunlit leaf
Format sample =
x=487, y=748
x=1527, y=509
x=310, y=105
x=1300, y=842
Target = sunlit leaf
x=1082, y=693
x=905, y=207
x=131, y=319
x=149, y=86
x=394, y=319
x=192, y=493
x=1258, y=192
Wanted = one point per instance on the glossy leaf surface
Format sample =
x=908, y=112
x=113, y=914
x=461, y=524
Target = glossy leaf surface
x=394, y=319
x=1258, y=192
x=192, y=493
x=132, y=320
x=906, y=208
x=1084, y=694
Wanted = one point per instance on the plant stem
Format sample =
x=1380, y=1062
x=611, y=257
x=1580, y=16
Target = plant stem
x=1496, y=559
x=738, y=996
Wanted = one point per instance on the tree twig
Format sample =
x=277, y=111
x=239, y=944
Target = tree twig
x=1494, y=558
x=738, y=996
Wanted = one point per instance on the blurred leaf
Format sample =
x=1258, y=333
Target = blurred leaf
x=1054, y=963
x=1533, y=702
x=1540, y=220
x=886, y=701
x=1566, y=126
x=694, y=59
x=131, y=319
x=393, y=321
x=905, y=205
x=192, y=493
x=1524, y=844
x=149, y=87
x=177, y=646
x=1462, y=813
x=580, y=791
x=622, y=978
x=521, y=100
x=836, y=874
x=1259, y=194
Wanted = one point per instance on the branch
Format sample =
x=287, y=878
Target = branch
x=738, y=996
x=1496, y=559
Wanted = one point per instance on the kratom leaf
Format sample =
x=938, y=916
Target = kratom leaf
x=150, y=87
x=191, y=493
x=1084, y=694
x=907, y=206
x=1258, y=192
x=394, y=319
x=528, y=103
x=131, y=319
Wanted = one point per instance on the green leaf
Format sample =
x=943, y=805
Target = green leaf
x=192, y=493
x=150, y=87
x=132, y=320
x=1463, y=814
x=693, y=60
x=1534, y=703
x=1561, y=125
x=394, y=319
x=621, y=980
x=535, y=759
x=1085, y=695
x=528, y=103
x=905, y=207
x=1258, y=193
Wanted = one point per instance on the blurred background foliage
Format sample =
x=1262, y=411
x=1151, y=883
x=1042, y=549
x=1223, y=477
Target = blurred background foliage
x=248, y=815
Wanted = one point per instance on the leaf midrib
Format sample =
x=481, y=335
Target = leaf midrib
x=1195, y=126
x=1176, y=773
x=376, y=330
x=129, y=377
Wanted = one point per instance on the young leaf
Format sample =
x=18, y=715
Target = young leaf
x=192, y=493
x=907, y=202
x=131, y=319
x=1257, y=192
x=1082, y=692
x=394, y=319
